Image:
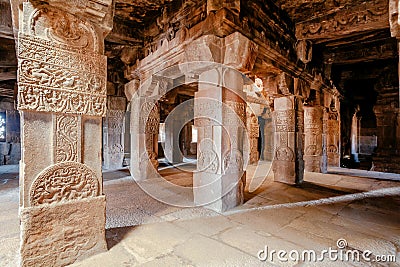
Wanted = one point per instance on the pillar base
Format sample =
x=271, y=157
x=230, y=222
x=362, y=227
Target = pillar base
x=210, y=190
x=62, y=233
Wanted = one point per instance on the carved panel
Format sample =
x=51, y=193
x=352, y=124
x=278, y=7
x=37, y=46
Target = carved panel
x=64, y=182
x=284, y=153
x=284, y=121
x=115, y=121
x=234, y=111
x=150, y=117
x=56, y=78
x=61, y=27
x=233, y=162
x=67, y=137
x=372, y=14
x=208, y=161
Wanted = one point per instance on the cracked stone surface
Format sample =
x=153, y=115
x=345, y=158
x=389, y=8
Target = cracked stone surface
x=145, y=232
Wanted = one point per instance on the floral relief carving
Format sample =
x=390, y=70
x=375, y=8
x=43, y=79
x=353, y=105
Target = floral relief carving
x=66, y=138
x=62, y=182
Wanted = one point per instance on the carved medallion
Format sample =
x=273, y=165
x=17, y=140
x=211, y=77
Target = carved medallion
x=64, y=182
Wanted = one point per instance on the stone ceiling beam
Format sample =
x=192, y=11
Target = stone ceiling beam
x=368, y=16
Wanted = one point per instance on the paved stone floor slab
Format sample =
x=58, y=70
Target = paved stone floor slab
x=146, y=232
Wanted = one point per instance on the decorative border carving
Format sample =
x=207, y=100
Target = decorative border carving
x=284, y=120
x=55, y=78
x=346, y=20
x=62, y=182
x=67, y=138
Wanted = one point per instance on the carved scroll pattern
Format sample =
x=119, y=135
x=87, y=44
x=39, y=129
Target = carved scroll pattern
x=55, y=78
x=67, y=133
x=345, y=21
x=64, y=182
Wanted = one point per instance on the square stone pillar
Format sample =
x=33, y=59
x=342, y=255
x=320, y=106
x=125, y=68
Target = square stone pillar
x=333, y=138
x=254, y=133
x=314, y=146
x=113, y=133
x=288, y=165
x=172, y=151
x=220, y=117
x=62, y=99
x=144, y=137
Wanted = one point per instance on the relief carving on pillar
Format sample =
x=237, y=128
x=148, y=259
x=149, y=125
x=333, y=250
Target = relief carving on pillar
x=115, y=120
x=208, y=161
x=284, y=120
x=150, y=117
x=284, y=153
x=61, y=27
x=54, y=79
x=62, y=182
x=59, y=66
x=233, y=162
x=234, y=111
x=67, y=128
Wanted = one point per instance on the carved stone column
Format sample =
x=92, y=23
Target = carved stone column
x=253, y=129
x=62, y=99
x=314, y=159
x=355, y=135
x=288, y=165
x=268, y=153
x=113, y=133
x=144, y=137
x=332, y=126
x=220, y=116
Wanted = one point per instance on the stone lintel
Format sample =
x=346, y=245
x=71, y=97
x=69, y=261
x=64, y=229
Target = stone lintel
x=346, y=22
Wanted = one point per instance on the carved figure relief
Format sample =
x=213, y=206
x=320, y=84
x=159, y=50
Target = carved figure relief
x=66, y=138
x=63, y=182
x=55, y=78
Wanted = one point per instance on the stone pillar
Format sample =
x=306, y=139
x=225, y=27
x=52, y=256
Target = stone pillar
x=332, y=137
x=113, y=132
x=172, y=151
x=253, y=129
x=268, y=139
x=355, y=134
x=314, y=156
x=220, y=117
x=288, y=165
x=62, y=99
x=144, y=137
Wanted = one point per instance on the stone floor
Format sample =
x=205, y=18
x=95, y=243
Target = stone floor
x=313, y=216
